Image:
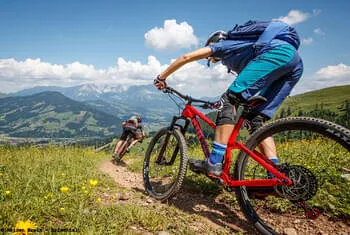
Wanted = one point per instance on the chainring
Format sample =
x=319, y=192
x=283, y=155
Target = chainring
x=304, y=185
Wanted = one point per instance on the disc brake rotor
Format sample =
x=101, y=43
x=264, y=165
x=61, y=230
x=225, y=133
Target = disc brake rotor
x=304, y=185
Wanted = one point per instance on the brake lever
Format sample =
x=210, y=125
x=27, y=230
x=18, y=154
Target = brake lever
x=208, y=105
x=166, y=90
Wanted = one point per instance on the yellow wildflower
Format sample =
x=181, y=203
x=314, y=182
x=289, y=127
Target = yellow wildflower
x=7, y=192
x=83, y=188
x=93, y=183
x=0, y=174
x=24, y=226
x=98, y=199
x=64, y=189
x=63, y=174
x=62, y=209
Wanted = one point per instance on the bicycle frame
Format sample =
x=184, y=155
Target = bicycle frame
x=192, y=114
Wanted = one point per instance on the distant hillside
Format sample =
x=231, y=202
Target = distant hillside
x=331, y=103
x=2, y=95
x=121, y=101
x=329, y=98
x=51, y=114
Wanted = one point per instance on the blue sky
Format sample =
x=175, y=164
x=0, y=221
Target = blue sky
x=126, y=43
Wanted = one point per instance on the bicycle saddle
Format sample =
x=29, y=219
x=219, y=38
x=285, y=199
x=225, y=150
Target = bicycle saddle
x=256, y=100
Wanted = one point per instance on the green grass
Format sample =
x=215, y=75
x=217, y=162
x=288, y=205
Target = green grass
x=330, y=98
x=323, y=158
x=30, y=189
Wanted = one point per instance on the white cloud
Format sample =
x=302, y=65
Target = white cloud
x=16, y=75
x=332, y=75
x=194, y=78
x=319, y=31
x=334, y=71
x=307, y=41
x=294, y=17
x=172, y=37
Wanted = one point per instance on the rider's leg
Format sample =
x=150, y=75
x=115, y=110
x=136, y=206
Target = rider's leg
x=133, y=144
x=122, y=139
x=275, y=93
x=274, y=73
x=120, y=142
x=224, y=128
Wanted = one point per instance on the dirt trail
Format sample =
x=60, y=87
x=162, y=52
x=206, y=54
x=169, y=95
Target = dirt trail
x=214, y=211
x=122, y=176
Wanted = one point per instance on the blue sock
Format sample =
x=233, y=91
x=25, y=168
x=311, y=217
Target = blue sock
x=274, y=160
x=217, y=153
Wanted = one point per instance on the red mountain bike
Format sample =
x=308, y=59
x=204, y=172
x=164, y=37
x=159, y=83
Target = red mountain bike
x=119, y=153
x=313, y=155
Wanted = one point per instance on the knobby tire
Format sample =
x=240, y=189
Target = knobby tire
x=337, y=133
x=154, y=187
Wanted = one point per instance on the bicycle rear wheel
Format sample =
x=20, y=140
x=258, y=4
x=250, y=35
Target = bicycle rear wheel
x=313, y=153
x=122, y=150
x=165, y=163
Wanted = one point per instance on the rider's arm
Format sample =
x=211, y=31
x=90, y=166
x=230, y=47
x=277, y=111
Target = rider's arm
x=198, y=54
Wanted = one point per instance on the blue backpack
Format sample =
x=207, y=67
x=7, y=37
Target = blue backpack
x=263, y=32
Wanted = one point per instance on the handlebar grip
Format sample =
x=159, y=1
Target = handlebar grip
x=167, y=90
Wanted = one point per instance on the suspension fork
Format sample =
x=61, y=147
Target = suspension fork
x=172, y=126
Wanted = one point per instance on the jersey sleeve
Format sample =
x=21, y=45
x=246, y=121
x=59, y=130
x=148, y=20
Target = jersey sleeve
x=227, y=47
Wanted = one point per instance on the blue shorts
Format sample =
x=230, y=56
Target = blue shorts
x=273, y=73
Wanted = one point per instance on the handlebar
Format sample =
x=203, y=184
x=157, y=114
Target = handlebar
x=189, y=99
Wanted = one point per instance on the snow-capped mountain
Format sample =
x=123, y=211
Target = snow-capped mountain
x=120, y=100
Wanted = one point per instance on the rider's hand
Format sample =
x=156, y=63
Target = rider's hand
x=159, y=83
x=218, y=104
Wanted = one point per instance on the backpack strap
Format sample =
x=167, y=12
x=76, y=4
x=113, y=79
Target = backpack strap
x=271, y=31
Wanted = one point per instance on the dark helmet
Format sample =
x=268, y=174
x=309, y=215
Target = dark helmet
x=139, y=118
x=215, y=37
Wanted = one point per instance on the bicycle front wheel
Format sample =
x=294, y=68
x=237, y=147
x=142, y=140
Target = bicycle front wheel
x=165, y=164
x=315, y=155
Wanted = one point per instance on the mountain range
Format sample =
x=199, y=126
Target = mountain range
x=82, y=111
x=120, y=101
x=51, y=114
x=89, y=110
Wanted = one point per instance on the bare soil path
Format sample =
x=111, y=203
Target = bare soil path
x=214, y=211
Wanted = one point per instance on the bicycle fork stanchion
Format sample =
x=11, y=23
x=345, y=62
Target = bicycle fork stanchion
x=173, y=125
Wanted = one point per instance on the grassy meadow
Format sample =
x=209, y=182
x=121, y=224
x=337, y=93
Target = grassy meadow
x=62, y=188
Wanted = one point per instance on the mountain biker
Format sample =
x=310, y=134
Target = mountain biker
x=131, y=127
x=272, y=71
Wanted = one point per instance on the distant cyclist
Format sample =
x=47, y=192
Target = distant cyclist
x=267, y=64
x=133, y=126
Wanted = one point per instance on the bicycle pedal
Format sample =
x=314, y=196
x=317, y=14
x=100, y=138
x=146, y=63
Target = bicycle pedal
x=195, y=166
x=216, y=180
